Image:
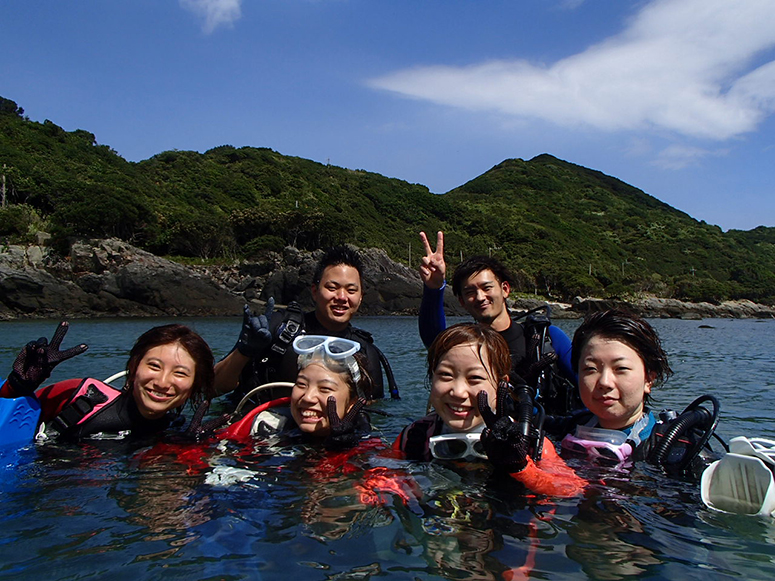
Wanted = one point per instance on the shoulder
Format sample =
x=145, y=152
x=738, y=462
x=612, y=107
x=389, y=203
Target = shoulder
x=413, y=439
x=361, y=335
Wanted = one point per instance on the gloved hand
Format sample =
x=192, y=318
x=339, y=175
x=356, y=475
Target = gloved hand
x=505, y=446
x=38, y=358
x=343, y=432
x=198, y=431
x=255, y=335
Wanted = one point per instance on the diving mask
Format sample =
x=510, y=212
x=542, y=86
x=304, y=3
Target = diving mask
x=336, y=353
x=599, y=443
x=457, y=446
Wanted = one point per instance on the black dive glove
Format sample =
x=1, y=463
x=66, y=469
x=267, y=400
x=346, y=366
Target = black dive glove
x=344, y=432
x=38, y=358
x=197, y=430
x=255, y=335
x=506, y=447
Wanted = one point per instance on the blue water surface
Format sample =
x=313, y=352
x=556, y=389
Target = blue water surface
x=176, y=510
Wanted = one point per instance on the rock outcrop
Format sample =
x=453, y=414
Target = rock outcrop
x=112, y=278
x=102, y=278
x=105, y=278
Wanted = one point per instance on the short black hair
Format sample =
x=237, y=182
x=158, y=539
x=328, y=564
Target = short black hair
x=474, y=265
x=629, y=329
x=335, y=256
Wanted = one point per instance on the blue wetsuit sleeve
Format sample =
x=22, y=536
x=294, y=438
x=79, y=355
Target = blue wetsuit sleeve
x=432, y=320
x=562, y=346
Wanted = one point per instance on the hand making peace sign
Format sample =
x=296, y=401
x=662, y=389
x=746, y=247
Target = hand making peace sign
x=432, y=266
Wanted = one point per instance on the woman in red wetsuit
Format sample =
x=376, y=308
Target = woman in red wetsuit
x=468, y=367
x=168, y=366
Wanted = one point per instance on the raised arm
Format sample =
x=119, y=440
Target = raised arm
x=433, y=268
x=254, y=338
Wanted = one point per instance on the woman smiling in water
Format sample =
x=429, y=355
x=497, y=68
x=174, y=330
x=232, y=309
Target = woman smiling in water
x=168, y=366
x=468, y=367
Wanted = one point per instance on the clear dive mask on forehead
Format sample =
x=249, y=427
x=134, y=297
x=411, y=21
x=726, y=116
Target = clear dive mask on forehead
x=457, y=446
x=336, y=353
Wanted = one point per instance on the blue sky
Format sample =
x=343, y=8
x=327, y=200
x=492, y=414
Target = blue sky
x=675, y=97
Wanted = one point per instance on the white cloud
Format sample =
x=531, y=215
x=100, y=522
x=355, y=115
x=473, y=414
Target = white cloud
x=681, y=156
x=685, y=66
x=215, y=13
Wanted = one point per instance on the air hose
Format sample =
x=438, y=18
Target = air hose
x=693, y=416
x=526, y=411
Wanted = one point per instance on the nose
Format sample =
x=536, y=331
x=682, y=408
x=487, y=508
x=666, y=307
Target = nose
x=459, y=389
x=606, y=379
x=340, y=294
x=307, y=396
x=480, y=295
x=164, y=379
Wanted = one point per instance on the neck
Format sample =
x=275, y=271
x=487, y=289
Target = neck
x=502, y=321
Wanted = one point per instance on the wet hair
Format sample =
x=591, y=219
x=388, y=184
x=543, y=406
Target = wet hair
x=486, y=340
x=204, y=376
x=336, y=256
x=629, y=329
x=473, y=266
x=363, y=388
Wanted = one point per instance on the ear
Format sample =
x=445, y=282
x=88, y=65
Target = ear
x=649, y=382
x=506, y=287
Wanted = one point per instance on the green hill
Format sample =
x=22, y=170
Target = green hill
x=563, y=229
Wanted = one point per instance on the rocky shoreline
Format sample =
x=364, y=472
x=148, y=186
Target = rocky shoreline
x=110, y=278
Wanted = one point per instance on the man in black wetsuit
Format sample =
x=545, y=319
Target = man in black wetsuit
x=482, y=286
x=263, y=352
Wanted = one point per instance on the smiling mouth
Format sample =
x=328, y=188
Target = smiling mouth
x=459, y=410
x=159, y=395
x=311, y=416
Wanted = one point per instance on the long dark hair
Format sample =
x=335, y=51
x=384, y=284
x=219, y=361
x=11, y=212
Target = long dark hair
x=204, y=376
x=631, y=330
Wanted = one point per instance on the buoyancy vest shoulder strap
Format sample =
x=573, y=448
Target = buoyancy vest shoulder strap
x=383, y=360
x=88, y=398
x=292, y=324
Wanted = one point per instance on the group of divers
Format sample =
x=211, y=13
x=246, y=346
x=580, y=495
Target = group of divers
x=505, y=390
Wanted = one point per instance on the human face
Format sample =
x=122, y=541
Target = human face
x=309, y=398
x=163, y=380
x=613, y=383
x=484, y=297
x=456, y=383
x=337, y=296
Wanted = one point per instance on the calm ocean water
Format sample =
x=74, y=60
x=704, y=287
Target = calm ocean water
x=213, y=511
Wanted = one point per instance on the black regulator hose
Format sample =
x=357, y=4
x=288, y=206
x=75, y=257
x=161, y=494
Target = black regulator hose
x=524, y=396
x=693, y=415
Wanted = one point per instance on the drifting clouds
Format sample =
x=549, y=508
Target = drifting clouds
x=214, y=13
x=693, y=68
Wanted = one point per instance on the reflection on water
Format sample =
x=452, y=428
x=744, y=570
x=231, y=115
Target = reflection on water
x=215, y=511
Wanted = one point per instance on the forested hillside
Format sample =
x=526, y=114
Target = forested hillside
x=564, y=230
